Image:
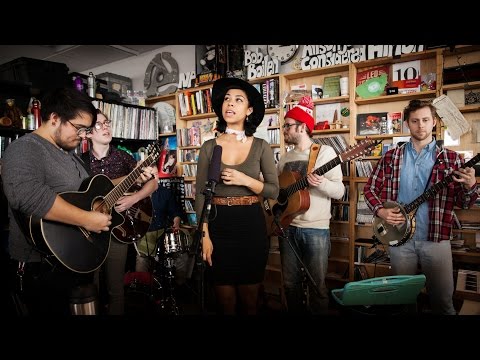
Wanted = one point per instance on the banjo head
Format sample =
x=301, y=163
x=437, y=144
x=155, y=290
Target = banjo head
x=392, y=235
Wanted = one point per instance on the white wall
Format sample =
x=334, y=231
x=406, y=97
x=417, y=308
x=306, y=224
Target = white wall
x=135, y=66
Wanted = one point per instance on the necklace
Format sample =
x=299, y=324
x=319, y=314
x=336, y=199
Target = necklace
x=240, y=134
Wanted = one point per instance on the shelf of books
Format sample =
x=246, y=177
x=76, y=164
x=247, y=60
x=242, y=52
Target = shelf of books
x=130, y=121
x=461, y=84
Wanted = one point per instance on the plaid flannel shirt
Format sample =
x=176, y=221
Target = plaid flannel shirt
x=384, y=182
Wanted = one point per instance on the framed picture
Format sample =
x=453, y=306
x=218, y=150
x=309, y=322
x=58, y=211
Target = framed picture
x=370, y=123
x=167, y=163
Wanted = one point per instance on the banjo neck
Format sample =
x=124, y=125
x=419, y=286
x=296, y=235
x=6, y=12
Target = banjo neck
x=432, y=191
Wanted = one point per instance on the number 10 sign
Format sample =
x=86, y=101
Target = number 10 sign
x=406, y=76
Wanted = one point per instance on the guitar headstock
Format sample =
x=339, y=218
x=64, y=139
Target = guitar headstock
x=361, y=148
x=154, y=150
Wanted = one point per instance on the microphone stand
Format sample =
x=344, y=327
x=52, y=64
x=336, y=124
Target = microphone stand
x=305, y=270
x=196, y=248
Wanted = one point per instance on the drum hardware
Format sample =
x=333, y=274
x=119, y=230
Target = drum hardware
x=158, y=285
x=167, y=301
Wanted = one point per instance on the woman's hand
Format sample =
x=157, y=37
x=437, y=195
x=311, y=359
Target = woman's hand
x=207, y=249
x=234, y=177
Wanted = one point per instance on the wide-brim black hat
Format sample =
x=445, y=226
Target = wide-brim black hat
x=255, y=99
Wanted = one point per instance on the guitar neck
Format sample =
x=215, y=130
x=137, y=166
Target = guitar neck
x=118, y=191
x=303, y=182
x=431, y=192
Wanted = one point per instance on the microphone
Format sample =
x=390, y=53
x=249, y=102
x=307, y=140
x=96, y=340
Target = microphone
x=213, y=179
x=214, y=169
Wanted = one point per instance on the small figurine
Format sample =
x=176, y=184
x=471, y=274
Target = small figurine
x=13, y=113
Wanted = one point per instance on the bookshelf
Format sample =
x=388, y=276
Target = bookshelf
x=348, y=235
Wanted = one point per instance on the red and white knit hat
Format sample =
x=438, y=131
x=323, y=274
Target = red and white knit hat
x=303, y=112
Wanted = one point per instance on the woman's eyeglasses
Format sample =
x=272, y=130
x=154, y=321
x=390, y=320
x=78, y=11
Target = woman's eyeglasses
x=99, y=125
x=81, y=130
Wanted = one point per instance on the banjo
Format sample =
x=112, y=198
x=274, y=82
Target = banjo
x=396, y=235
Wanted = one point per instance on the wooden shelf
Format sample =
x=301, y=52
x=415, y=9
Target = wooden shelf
x=331, y=131
x=155, y=99
x=459, y=86
x=316, y=72
x=198, y=116
x=398, y=97
x=270, y=111
x=469, y=108
x=379, y=136
x=332, y=100
x=167, y=134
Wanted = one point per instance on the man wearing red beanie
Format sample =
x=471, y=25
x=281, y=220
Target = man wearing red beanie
x=309, y=231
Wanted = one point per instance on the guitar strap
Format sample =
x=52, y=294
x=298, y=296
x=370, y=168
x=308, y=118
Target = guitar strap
x=84, y=159
x=314, y=150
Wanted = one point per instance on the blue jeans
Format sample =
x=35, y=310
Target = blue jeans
x=313, y=248
x=436, y=262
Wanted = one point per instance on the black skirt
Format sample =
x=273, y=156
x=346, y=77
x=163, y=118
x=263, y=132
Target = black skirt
x=240, y=244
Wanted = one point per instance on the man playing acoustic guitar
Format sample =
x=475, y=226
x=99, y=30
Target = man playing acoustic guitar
x=403, y=175
x=309, y=230
x=37, y=168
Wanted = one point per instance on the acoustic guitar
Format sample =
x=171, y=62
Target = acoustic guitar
x=293, y=198
x=75, y=247
x=136, y=222
x=396, y=235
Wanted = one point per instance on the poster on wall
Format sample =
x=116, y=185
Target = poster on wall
x=167, y=163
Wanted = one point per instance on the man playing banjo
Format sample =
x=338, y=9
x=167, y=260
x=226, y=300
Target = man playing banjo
x=401, y=176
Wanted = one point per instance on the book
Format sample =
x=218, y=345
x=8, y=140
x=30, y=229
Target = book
x=374, y=72
x=192, y=219
x=386, y=147
x=317, y=92
x=394, y=122
x=331, y=86
x=207, y=130
x=372, y=82
x=406, y=76
x=377, y=150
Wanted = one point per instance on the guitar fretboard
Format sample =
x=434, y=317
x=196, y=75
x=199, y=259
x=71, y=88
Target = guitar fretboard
x=117, y=192
x=431, y=192
x=303, y=182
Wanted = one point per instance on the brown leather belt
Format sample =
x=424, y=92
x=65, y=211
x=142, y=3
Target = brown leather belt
x=235, y=200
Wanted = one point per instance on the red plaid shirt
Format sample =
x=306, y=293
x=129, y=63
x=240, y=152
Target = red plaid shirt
x=383, y=185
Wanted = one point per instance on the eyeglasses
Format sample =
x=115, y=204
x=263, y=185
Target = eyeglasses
x=81, y=130
x=99, y=125
x=287, y=126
